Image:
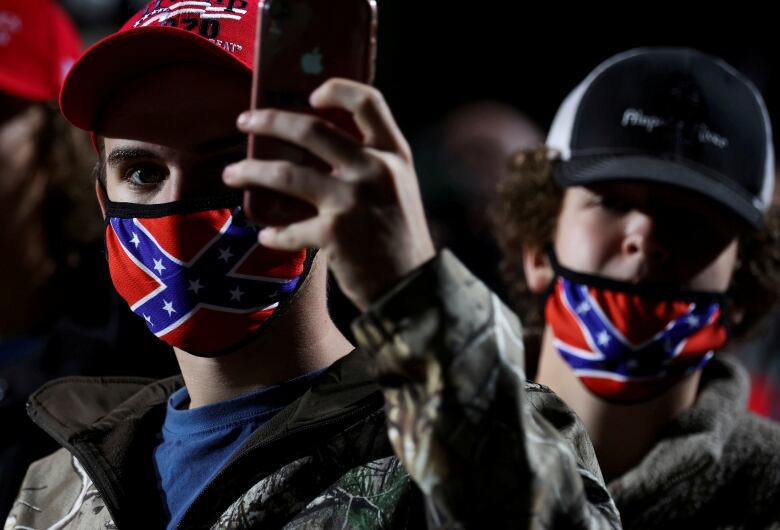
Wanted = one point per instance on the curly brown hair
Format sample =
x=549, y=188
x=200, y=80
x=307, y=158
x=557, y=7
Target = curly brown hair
x=526, y=213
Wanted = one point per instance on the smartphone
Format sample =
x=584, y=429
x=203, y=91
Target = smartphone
x=300, y=44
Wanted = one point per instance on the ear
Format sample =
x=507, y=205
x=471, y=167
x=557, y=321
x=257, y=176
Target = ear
x=100, y=191
x=537, y=268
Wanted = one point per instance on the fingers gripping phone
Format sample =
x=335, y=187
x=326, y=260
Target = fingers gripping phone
x=300, y=44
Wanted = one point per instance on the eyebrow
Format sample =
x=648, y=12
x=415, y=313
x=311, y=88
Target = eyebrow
x=122, y=154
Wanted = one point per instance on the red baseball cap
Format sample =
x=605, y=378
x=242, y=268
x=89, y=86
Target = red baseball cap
x=38, y=45
x=165, y=32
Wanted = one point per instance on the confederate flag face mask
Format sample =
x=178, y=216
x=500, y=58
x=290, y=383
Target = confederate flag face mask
x=195, y=272
x=628, y=343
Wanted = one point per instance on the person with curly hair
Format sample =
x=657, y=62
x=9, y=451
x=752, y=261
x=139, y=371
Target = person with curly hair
x=637, y=242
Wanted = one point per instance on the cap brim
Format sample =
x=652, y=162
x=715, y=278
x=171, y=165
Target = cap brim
x=583, y=170
x=107, y=65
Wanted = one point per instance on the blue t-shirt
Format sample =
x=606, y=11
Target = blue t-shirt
x=195, y=444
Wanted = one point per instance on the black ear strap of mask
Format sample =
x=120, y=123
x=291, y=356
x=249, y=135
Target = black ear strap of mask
x=645, y=289
x=649, y=290
x=131, y=210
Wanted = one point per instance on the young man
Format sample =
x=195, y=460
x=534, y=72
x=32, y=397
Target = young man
x=643, y=228
x=276, y=421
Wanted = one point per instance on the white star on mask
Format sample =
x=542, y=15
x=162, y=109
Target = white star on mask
x=236, y=294
x=195, y=286
x=168, y=307
x=583, y=308
x=158, y=266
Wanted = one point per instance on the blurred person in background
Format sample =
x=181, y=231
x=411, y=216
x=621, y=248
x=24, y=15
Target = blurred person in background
x=462, y=158
x=58, y=315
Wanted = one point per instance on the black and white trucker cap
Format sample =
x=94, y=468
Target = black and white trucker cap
x=674, y=116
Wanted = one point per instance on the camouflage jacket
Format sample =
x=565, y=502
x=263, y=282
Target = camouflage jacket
x=470, y=445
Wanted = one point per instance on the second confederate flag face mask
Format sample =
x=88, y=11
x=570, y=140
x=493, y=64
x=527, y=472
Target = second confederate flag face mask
x=629, y=343
x=195, y=272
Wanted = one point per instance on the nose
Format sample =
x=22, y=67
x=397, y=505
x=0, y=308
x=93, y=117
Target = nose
x=643, y=240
